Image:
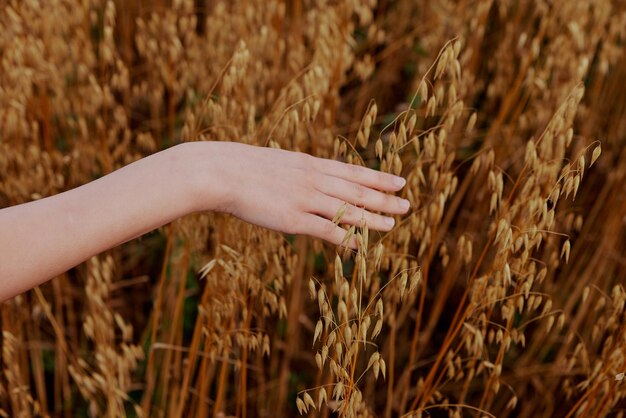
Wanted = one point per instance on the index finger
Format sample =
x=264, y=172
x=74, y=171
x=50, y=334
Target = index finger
x=362, y=175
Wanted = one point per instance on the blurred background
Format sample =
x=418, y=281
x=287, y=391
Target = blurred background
x=500, y=294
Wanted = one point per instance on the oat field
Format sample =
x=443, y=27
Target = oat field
x=500, y=294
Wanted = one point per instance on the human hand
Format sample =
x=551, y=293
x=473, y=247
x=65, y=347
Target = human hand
x=294, y=192
x=282, y=190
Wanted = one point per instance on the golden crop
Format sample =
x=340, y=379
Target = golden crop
x=500, y=294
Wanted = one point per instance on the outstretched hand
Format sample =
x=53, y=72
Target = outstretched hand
x=295, y=192
x=282, y=190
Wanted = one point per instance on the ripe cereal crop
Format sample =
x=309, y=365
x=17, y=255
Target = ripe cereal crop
x=501, y=293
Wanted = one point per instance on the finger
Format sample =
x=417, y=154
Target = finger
x=362, y=175
x=319, y=227
x=360, y=195
x=328, y=207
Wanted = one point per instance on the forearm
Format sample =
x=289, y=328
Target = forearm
x=44, y=238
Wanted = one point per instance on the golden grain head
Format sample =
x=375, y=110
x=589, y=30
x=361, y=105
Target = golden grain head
x=510, y=251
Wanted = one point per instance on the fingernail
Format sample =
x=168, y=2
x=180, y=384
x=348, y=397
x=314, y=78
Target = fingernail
x=399, y=181
x=390, y=221
x=405, y=204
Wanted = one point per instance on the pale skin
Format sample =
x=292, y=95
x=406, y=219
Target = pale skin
x=281, y=190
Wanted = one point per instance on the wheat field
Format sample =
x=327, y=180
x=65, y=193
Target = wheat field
x=500, y=294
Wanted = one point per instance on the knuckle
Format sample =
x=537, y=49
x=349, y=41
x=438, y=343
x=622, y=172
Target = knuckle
x=381, y=200
x=391, y=202
x=355, y=170
x=382, y=178
x=308, y=170
x=305, y=159
x=328, y=229
x=351, y=214
x=359, y=216
x=370, y=219
x=291, y=224
x=360, y=192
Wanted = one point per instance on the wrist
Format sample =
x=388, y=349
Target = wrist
x=202, y=183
